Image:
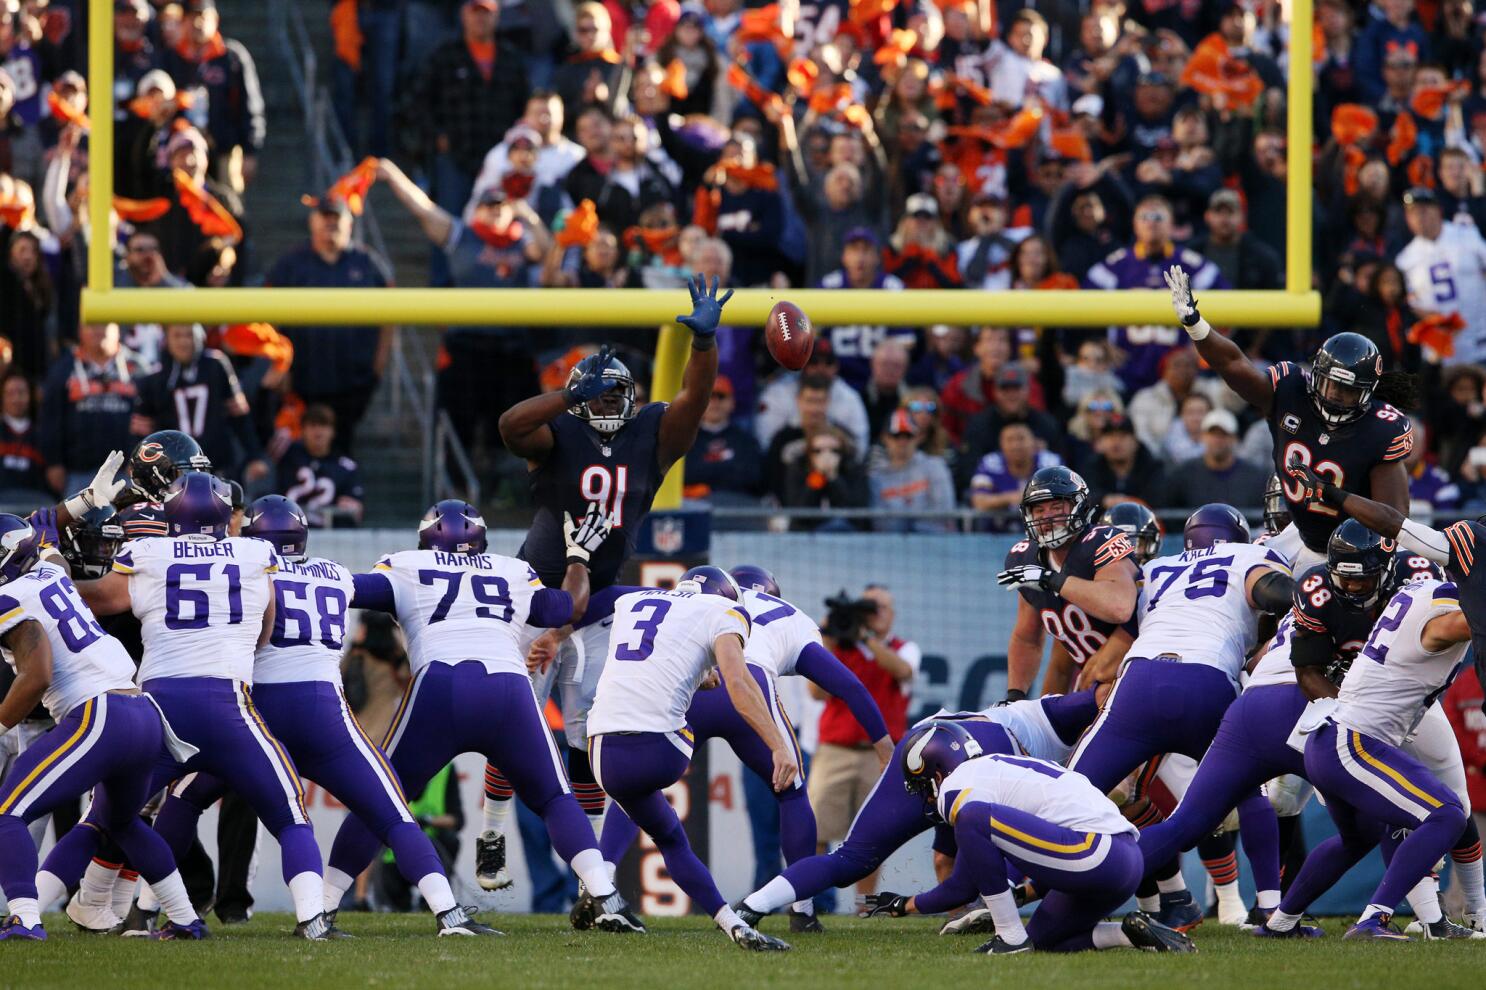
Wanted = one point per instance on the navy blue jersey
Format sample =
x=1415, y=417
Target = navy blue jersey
x=1465, y=538
x=1344, y=456
x=142, y=519
x=620, y=471
x=315, y=483
x=1081, y=634
x=197, y=399
x=1320, y=613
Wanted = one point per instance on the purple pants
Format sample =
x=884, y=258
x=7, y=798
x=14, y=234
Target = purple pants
x=1372, y=787
x=1087, y=875
x=888, y=819
x=1157, y=706
x=450, y=709
x=634, y=768
x=112, y=741
x=1248, y=750
x=317, y=727
x=712, y=716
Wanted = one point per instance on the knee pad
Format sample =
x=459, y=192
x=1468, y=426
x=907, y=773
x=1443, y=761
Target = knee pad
x=1288, y=794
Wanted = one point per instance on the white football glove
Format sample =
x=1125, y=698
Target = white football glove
x=585, y=535
x=106, y=484
x=1184, y=303
x=1031, y=576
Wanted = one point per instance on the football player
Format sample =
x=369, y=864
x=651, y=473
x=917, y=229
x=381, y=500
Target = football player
x=107, y=734
x=1015, y=816
x=591, y=444
x=1076, y=581
x=1140, y=524
x=664, y=646
x=1335, y=418
x=1277, y=517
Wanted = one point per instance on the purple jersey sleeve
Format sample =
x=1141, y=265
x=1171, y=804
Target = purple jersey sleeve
x=601, y=603
x=373, y=591
x=821, y=667
x=551, y=608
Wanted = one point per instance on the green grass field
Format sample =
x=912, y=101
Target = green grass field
x=542, y=951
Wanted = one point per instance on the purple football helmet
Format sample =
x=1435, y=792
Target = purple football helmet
x=280, y=521
x=931, y=752
x=752, y=576
x=1212, y=524
x=453, y=526
x=711, y=581
x=198, y=506
x=20, y=542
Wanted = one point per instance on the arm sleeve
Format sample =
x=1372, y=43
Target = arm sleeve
x=551, y=608
x=1310, y=651
x=1452, y=546
x=601, y=604
x=373, y=591
x=822, y=668
x=1273, y=593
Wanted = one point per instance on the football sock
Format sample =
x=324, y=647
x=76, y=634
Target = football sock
x=27, y=909
x=1171, y=885
x=308, y=891
x=497, y=807
x=594, y=872
x=1230, y=900
x=123, y=892
x=436, y=893
x=1004, y=913
x=806, y=906
x=1424, y=899
x=1373, y=910
x=1109, y=935
x=1266, y=900
x=586, y=789
x=727, y=919
x=1281, y=922
x=97, y=887
x=774, y=895
x=1149, y=904
x=174, y=900
x=147, y=899
x=337, y=882
x=1467, y=859
x=49, y=888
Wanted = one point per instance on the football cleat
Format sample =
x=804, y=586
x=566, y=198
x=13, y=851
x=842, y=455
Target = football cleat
x=747, y=937
x=95, y=919
x=172, y=932
x=490, y=861
x=140, y=922
x=1475, y=922
x=1378, y=928
x=1179, y=911
x=1442, y=929
x=976, y=921
x=457, y=921
x=750, y=917
x=11, y=928
x=801, y=923
x=1302, y=930
x=998, y=946
x=320, y=928
x=613, y=914
x=1145, y=932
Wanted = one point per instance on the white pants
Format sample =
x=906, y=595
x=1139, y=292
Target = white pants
x=1287, y=542
x=580, y=661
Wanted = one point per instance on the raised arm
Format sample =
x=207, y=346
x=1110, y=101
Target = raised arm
x=26, y=642
x=437, y=224
x=1221, y=354
x=749, y=702
x=679, y=423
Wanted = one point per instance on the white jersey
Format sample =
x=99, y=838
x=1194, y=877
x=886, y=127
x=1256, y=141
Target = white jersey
x=311, y=601
x=1393, y=680
x=1027, y=723
x=1276, y=667
x=86, y=661
x=780, y=633
x=660, y=647
x=1448, y=275
x=1193, y=606
x=455, y=607
x=1038, y=787
x=200, y=603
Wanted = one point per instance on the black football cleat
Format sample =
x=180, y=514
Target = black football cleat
x=750, y=917
x=747, y=937
x=801, y=923
x=320, y=928
x=140, y=923
x=457, y=922
x=613, y=914
x=998, y=946
x=1145, y=932
x=1442, y=929
x=490, y=861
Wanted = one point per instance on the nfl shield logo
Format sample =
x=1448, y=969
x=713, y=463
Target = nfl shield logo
x=668, y=534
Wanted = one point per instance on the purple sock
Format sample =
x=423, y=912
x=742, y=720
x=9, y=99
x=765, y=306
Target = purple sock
x=146, y=849
x=70, y=857
x=620, y=832
x=300, y=853
x=1416, y=855
x=17, y=858
x=354, y=847
x=796, y=826
x=1260, y=831
x=413, y=852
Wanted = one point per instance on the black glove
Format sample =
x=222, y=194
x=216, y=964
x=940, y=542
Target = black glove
x=1032, y=575
x=884, y=905
x=1015, y=694
x=1314, y=487
x=590, y=383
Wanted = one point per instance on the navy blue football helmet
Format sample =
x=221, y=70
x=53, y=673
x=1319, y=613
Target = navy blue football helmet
x=1343, y=376
x=755, y=577
x=1140, y=524
x=198, y=506
x=709, y=580
x=162, y=457
x=1358, y=556
x=90, y=543
x=1276, y=509
x=931, y=752
x=1405, y=568
x=1056, y=484
x=1212, y=524
x=453, y=526
x=280, y=521
x=20, y=544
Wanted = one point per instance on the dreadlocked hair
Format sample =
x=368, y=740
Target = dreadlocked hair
x=1399, y=389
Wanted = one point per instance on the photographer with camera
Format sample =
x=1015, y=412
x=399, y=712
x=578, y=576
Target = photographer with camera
x=859, y=633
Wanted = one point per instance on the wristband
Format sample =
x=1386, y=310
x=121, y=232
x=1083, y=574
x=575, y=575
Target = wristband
x=1198, y=329
x=1054, y=581
x=78, y=505
x=1332, y=495
x=703, y=342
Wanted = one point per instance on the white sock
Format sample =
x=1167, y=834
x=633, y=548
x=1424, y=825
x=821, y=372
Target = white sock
x=596, y=822
x=1282, y=922
x=336, y=883
x=1109, y=935
x=1425, y=901
x=497, y=814
x=1373, y=910
x=1004, y=913
x=174, y=900
x=27, y=910
x=147, y=899
x=123, y=893
x=594, y=872
x=1266, y=900
x=1230, y=901
x=1149, y=904
x=97, y=886
x=1469, y=877
x=1171, y=885
x=436, y=893
x=727, y=919
x=772, y=896
x=49, y=889
x=308, y=891
x=803, y=907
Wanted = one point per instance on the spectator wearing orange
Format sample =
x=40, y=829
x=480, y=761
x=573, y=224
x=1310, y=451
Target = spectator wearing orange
x=224, y=72
x=921, y=252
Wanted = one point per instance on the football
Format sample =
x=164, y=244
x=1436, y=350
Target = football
x=789, y=335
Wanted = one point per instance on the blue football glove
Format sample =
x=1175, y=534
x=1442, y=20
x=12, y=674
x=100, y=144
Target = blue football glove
x=706, y=311
x=591, y=383
x=45, y=522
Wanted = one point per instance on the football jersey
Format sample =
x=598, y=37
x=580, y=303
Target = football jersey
x=1081, y=634
x=780, y=633
x=1193, y=605
x=1344, y=456
x=312, y=599
x=1393, y=680
x=1465, y=537
x=143, y=519
x=660, y=647
x=315, y=483
x=620, y=471
x=200, y=603
x=455, y=607
x=1041, y=788
x=1027, y=723
x=198, y=399
x=1448, y=275
x=86, y=661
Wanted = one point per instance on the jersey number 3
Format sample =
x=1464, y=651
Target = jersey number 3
x=607, y=488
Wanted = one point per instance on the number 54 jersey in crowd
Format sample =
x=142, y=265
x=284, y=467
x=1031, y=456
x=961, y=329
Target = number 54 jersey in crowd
x=1193, y=605
x=86, y=661
x=469, y=606
x=312, y=599
x=660, y=647
x=1070, y=625
x=200, y=603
